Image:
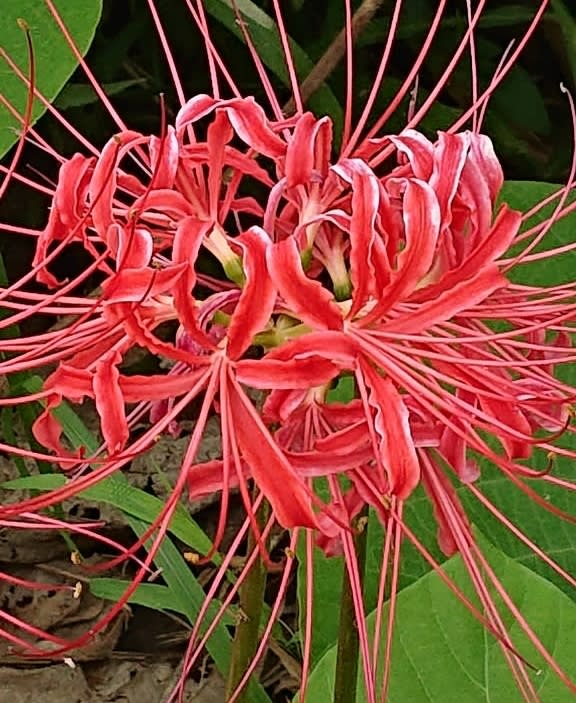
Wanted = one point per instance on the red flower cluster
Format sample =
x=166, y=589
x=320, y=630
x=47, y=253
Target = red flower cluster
x=384, y=267
x=387, y=275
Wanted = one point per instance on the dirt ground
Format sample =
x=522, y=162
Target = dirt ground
x=136, y=660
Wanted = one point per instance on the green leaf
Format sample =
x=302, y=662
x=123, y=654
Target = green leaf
x=508, y=16
x=184, y=592
x=53, y=58
x=554, y=535
x=190, y=596
x=523, y=195
x=441, y=653
x=328, y=573
x=343, y=392
x=79, y=94
x=116, y=491
x=140, y=510
x=519, y=89
x=150, y=595
x=187, y=593
x=264, y=33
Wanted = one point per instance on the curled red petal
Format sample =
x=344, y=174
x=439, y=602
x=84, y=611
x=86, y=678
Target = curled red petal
x=133, y=246
x=258, y=295
x=104, y=178
x=396, y=444
x=418, y=149
x=495, y=243
x=462, y=296
x=110, y=403
x=510, y=415
x=336, y=346
x=308, y=149
x=326, y=463
x=246, y=116
x=169, y=202
x=187, y=241
x=346, y=440
x=135, y=328
x=250, y=123
x=450, y=154
x=219, y=134
x=273, y=474
x=70, y=382
x=293, y=374
x=421, y=215
x=47, y=430
x=159, y=387
x=197, y=107
x=137, y=285
x=365, y=202
x=164, y=154
x=486, y=162
x=308, y=299
x=208, y=477
x=280, y=404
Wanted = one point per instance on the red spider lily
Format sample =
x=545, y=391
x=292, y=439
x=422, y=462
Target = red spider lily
x=383, y=263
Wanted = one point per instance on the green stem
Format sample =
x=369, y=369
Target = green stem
x=346, y=676
x=246, y=636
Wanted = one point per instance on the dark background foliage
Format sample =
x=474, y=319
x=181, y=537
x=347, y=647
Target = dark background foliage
x=528, y=116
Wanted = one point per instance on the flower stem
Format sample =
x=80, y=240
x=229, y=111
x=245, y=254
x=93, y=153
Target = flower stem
x=251, y=597
x=346, y=676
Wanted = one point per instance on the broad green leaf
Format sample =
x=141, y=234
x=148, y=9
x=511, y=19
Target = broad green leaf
x=442, y=654
x=328, y=575
x=523, y=195
x=343, y=391
x=53, y=57
x=264, y=33
x=555, y=536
